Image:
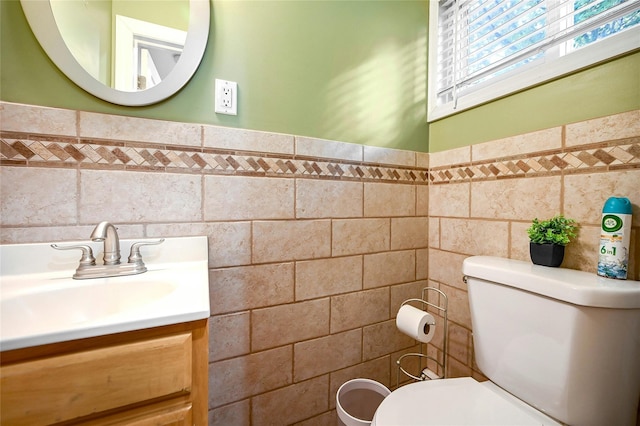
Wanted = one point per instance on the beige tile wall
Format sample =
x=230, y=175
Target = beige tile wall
x=313, y=244
x=483, y=197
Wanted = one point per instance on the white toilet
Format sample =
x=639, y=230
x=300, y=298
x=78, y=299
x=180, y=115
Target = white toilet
x=559, y=346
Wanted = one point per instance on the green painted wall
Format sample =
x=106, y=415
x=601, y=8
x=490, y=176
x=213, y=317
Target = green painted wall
x=606, y=89
x=353, y=71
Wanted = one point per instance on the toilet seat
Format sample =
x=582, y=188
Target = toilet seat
x=459, y=401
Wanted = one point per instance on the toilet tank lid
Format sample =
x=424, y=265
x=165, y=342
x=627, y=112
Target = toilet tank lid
x=569, y=285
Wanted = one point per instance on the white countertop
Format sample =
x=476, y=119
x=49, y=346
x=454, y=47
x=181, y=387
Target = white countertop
x=40, y=303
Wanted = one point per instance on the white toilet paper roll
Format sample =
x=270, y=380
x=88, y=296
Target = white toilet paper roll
x=416, y=323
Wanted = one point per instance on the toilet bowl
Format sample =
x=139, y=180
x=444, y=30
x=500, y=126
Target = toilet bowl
x=460, y=401
x=558, y=346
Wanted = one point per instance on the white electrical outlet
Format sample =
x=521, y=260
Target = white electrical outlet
x=226, y=97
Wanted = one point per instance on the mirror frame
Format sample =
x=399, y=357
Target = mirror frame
x=42, y=22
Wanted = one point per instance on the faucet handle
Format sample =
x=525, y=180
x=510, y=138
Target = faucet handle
x=87, y=258
x=135, y=256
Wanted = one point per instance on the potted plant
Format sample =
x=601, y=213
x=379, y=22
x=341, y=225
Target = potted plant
x=548, y=239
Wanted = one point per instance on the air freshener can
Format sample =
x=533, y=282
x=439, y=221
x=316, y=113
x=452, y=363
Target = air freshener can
x=615, y=236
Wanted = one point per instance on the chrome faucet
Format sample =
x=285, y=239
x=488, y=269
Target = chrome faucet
x=111, y=267
x=106, y=232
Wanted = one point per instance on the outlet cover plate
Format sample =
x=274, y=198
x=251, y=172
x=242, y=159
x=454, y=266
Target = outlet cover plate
x=226, y=95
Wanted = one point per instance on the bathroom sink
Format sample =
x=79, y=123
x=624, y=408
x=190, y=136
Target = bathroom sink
x=41, y=303
x=66, y=303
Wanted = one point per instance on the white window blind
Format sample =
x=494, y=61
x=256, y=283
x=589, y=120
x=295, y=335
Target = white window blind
x=484, y=49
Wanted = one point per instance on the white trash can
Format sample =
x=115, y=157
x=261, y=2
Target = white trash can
x=357, y=401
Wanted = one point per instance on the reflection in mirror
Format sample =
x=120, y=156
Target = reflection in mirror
x=145, y=53
x=139, y=53
x=129, y=52
x=86, y=29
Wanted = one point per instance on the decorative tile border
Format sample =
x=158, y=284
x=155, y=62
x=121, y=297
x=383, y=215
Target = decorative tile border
x=23, y=149
x=30, y=150
x=622, y=154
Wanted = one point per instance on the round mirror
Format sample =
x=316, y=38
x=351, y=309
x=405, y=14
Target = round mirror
x=127, y=52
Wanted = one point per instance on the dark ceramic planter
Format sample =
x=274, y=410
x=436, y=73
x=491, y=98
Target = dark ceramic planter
x=546, y=254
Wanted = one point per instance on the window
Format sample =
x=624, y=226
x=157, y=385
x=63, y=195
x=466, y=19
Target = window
x=481, y=50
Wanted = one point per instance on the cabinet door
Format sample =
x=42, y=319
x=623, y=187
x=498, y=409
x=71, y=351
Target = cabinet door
x=69, y=386
x=176, y=415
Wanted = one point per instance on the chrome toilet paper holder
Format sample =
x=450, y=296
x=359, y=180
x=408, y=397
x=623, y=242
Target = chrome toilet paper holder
x=426, y=373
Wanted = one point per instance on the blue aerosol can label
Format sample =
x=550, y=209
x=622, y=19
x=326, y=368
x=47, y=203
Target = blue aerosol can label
x=615, y=237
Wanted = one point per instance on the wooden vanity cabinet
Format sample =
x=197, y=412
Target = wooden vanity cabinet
x=156, y=376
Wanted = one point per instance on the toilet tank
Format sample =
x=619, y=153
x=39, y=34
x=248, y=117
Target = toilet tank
x=566, y=342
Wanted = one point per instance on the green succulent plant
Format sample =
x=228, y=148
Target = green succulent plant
x=557, y=230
